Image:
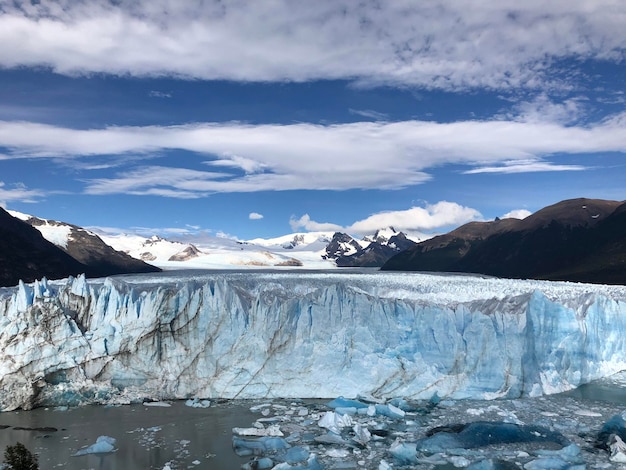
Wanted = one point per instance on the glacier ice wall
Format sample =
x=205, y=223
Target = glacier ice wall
x=253, y=335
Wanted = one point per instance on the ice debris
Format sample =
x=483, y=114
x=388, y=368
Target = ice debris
x=198, y=403
x=103, y=445
x=349, y=436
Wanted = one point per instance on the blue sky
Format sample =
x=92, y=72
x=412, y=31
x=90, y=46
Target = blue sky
x=255, y=119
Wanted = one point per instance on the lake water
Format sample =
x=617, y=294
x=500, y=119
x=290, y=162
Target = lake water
x=147, y=437
x=184, y=437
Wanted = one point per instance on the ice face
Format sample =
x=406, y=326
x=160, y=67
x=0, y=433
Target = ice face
x=254, y=335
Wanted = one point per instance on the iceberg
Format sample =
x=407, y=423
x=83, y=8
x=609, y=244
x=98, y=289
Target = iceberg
x=103, y=445
x=258, y=335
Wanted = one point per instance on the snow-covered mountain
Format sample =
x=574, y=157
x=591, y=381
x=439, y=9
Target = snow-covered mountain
x=312, y=250
x=371, y=251
x=296, y=250
x=97, y=257
x=264, y=335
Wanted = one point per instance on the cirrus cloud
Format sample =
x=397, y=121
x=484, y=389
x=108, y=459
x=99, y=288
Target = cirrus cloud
x=18, y=193
x=361, y=155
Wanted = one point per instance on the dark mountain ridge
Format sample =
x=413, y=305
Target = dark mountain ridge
x=26, y=255
x=347, y=252
x=578, y=239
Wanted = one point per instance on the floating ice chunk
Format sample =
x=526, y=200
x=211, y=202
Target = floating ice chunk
x=404, y=452
x=103, y=445
x=617, y=447
x=263, y=463
x=157, y=404
x=484, y=433
x=273, y=431
x=361, y=434
x=260, y=407
x=337, y=453
x=341, y=402
x=615, y=425
x=296, y=454
x=260, y=446
x=332, y=438
x=390, y=411
x=334, y=422
x=311, y=464
x=403, y=404
x=370, y=399
x=592, y=414
x=383, y=465
x=459, y=461
x=197, y=403
x=566, y=458
x=493, y=464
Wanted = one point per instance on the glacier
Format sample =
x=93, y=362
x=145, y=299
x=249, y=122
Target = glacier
x=182, y=335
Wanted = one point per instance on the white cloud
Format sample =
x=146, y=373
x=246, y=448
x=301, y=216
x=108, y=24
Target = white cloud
x=369, y=113
x=309, y=225
x=159, y=94
x=517, y=214
x=18, y=193
x=544, y=109
x=416, y=219
x=255, y=216
x=524, y=166
x=362, y=155
x=430, y=217
x=445, y=44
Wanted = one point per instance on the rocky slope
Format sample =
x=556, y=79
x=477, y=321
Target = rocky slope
x=577, y=239
x=31, y=248
x=25, y=254
x=372, y=251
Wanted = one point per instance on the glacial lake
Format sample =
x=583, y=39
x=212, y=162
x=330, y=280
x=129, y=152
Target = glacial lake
x=151, y=437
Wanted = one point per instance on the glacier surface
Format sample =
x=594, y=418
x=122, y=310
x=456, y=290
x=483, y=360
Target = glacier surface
x=296, y=334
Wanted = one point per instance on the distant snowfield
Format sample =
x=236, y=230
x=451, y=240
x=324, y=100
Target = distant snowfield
x=296, y=250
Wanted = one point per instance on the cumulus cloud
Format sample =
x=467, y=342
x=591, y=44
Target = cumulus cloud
x=309, y=225
x=517, y=214
x=255, y=216
x=361, y=155
x=443, y=44
x=544, y=109
x=416, y=219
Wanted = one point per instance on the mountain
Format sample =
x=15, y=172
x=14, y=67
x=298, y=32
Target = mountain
x=578, y=240
x=26, y=255
x=212, y=252
x=372, y=251
x=311, y=250
x=89, y=253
